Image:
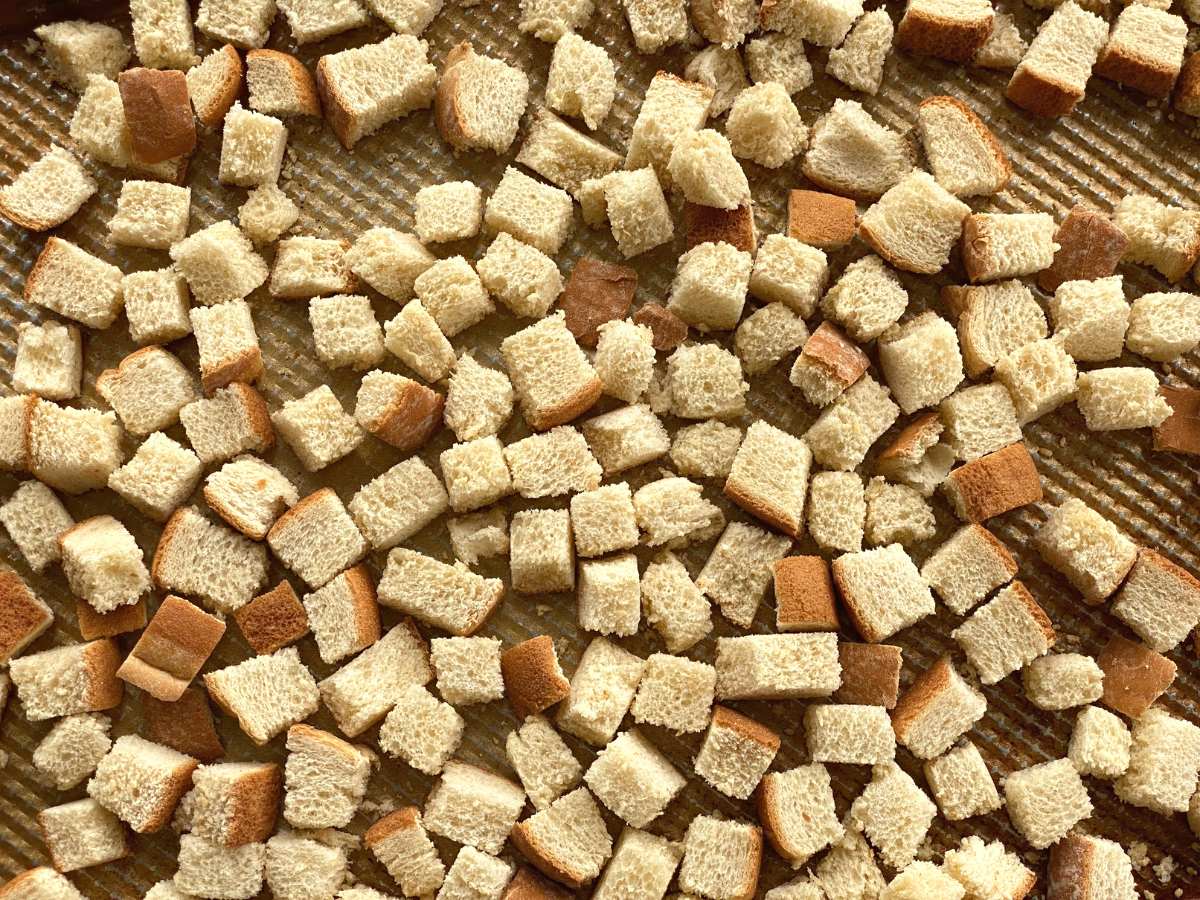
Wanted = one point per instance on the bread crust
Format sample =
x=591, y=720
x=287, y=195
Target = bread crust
x=926, y=688
x=842, y=360
x=1152, y=77
x=753, y=504
x=985, y=134
x=846, y=592
x=1134, y=676
x=163, y=549
x=366, y=608
x=273, y=620
x=870, y=674
x=822, y=220
x=411, y=419
x=158, y=113
x=104, y=690
x=943, y=37
x=300, y=510
x=337, y=110
x=1089, y=247
x=707, y=224
x=242, y=367
x=895, y=260
x=804, y=598
x=1187, y=94
x=917, y=432
x=1040, y=94
x=533, y=681
x=446, y=113
x=977, y=248
x=527, y=884
x=668, y=329
x=1035, y=610
x=29, y=404
x=22, y=615
x=173, y=787
x=172, y=649
x=1180, y=432
x=993, y=484
x=213, y=114
x=568, y=409
x=544, y=860
x=254, y=806
x=302, y=82
x=401, y=820
x=123, y=619
x=24, y=884
x=724, y=717
x=257, y=413
x=185, y=725
x=595, y=293
x=767, y=801
x=1069, y=873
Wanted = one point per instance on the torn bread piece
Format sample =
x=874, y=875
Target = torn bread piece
x=1052, y=75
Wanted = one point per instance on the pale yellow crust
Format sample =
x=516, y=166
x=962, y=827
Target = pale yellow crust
x=172, y=649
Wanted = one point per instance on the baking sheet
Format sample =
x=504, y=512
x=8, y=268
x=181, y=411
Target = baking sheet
x=1114, y=142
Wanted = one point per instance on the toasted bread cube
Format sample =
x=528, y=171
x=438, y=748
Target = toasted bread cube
x=853, y=154
x=523, y=278
x=1004, y=47
x=34, y=518
x=551, y=376
x=823, y=221
x=1004, y=245
x=721, y=859
x=450, y=290
x=235, y=419
x=769, y=477
x=865, y=578
x=1090, y=246
x=777, y=666
x=361, y=692
x=267, y=213
x=345, y=331
x=706, y=382
x=476, y=473
x=636, y=209
x=706, y=450
x=603, y=520
x=317, y=538
x=633, y=779
x=1163, y=327
x=76, y=678
x=479, y=100
x=172, y=649
x=1005, y=634
x=845, y=431
x=310, y=267
x=602, y=689
x=702, y=166
x=252, y=148
x=1100, y=744
x=981, y=867
x=228, y=344
x=961, y=783
x=790, y=272
x=673, y=604
x=979, y=420
x=938, y=707
x=390, y=261
x=709, y=225
x=1092, y=552
x=421, y=730
x=779, y=57
x=158, y=115
x=888, y=226
x=325, y=778
x=765, y=127
x=967, y=567
x=77, y=49
x=545, y=764
x=452, y=598
x=156, y=304
x=219, y=263
x=73, y=450
x=541, y=551
x=1178, y=432
x=266, y=694
x=1091, y=864
x=397, y=504
x=122, y=620
x=240, y=24
x=827, y=365
x=317, y=429
x=866, y=300
x=609, y=595
x=147, y=390
x=468, y=669
x=72, y=749
x=103, y=563
x=870, y=674
x=858, y=62
x=538, y=214
x=994, y=484
x=642, y=865
x=804, y=598
x=208, y=869
x=565, y=157
x=596, y=294
x=896, y=513
x=1145, y=50
x=141, y=782
x=1156, y=779
x=215, y=82
x=250, y=495
x=671, y=107
x=656, y=25
x=797, y=812
x=710, y=286
x=82, y=834
x=1134, y=675
x=272, y=620
x=75, y=284
x=553, y=463
x=739, y=569
x=150, y=214
x=1093, y=317
x=232, y=804
x=916, y=457
x=1053, y=73
x=994, y=320
x=823, y=22
x=494, y=804
x=198, y=557
x=280, y=85
x=567, y=841
x=1163, y=236
x=414, y=336
x=582, y=80
x=963, y=153
x=675, y=693
x=1063, y=680
x=837, y=510
x=401, y=845
x=479, y=400
x=343, y=615
x=625, y=359
x=533, y=680
x=921, y=361
x=1160, y=601
x=626, y=437
x=1045, y=801
x=894, y=814
x=848, y=733
x=298, y=868
x=476, y=875
x=49, y=360
x=479, y=535
x=311, y=21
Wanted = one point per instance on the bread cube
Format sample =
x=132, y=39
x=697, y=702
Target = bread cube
x=464, y=122
x=779, y=57
x=310, y=267
x=1134, y=675
x=272, y=620
x=147, y=390
x=865, y=578
x=1157, y=780
x=964, y=154
x=361, y=692
x=706, y=382
x=827, y=365
x=765, y=127
x=73, y=283
x=311, y=21
x=938, y=707
x=298, y=868
x=1092, y=863
x=141, y=782
x=1160, y=601
x=1100, y=744
x=72, y=749
x=325, y=778
x=124, y=619
x=551, y=464
x=896, y=513
x=769, y=477
x=73, y=450
x=602, y=689
x=267, y=213
x=479, y=400
x=150, y=214
x=609, y=595
x=479, y=535
x=870, y=674
x=252, y=148
x=452, y=598
x=82, y=834
x=1090, y=246
x=705, y=450
x=921, y=361
x=849, y=733
x=564, y=156
x=967, y=567
x=156, y=304
x=1178, y=433
x=675, y=693
x=626, y=437
x=804, y=598
x=241, y=24
x=345, y=331
x=219, y=263
x=494, y=804
x=172, y=649
x=1092, y=552
x=535, y=213
x=1045, y=801
x=1005, y=634
x=533, y=680
x=343, y=615
x=837, y=510
x=49, y=360
x=77, y=49
x=103, y=563
x=88, y=671
x=739, y=569
x=988, y=867
x=397, y=504
x=452, y=293
x=1163, y=236
x=866, y=300
x=1163, y=327
x=603, y=520
x=198, y=557
x=625, y=359
x=777, y=666
x=1063, y=680
x=468, y=669
x=421, y=730
x=979, y=420
x=1005, y=245
x=476, y=875
x=317, y=428
x=581, y=80
x=401, y=845
x=235, y=419
x=551, y=376
x=521, y=277
x=228, y=344
x=476, y=473
x=232, y=804
x=894, y=814
x=1121, y=397
x=1092, y=316
x=888, y=226
x=994, y=320
x=1145, y=50
x=642, y=863
x=709, y=225
x=250, y=495
x=280, y=85
x=767, y=335
x=266, y=694
x=710, y=285
x=994, y=484
x=789, y=272
x=843, y=434
x=542, y=760
x=633, y=779
x=702, y=166
x=822, y=22
x=34, y=518
x=414, y=337
x=541, y=551
x=672, y=603
x=1053, y=73
x=852, y=154
x=568, y=841
x=721, y=858
x=961, y=783
x=797, y=811
x=916, y=457
x=208, y=869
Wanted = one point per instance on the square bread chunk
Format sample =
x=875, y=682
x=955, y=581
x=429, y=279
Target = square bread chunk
x=961, y=783
x=1145, y=50
x=362, y=692
x=343, y=615
x=325, y=777
x=633, y=779
x=894, y=814
x=641, y=862
x=675, y=693
x=1092, y=316
x=249, y=495
x=452, y=293
x=479, y=100
x=981, y=867
x=602, y=689
x=232, y=804
x=72, y=749
x=75, y=678
x=252, y=146
x=552, y=377
x=966, y=158
x=49, y=360
x=766, y=336
x=141, y=782
x=582, y=79
x=915, y=224
x=804, y=596
x=797, y=812
x=897, y=513
x=533, y=679
x=103, y=563
x=721, y=858
x=151, y=214
x=541, y=551
x=994, y=320
x=267, y=213
x=1164, y=326
x=828, y=364
x=473, y=806
x=172, y=649
x=670, y=108
x=609, y=595
x=156, y=305
x=389, y=261
x=1089, y=550
x=706, y=382
x=1121, y=397
x=626, y=437
x=603, y=520
x=1045, y=801
x=769, y=477
x=563, y=155
x=73, y=283
x=78, y=49
x=452, y=598
x=1052, y=75
x=479, y=400
x=710, y=286
x=837, y=511
x=536, y=213
x=227, y=343
x=567, y=841
x=849, y=733
x=738, y=570
x=272, y=620
x=777, y=666
x=553, y=463
x=198, y=557
x=73, y=450
x=345, y=331
x=1100, y=744
x=542, y=760
x=979, y=420
x=82, y=834
x=235, y=419
x=34, y=518
x=1156, y=779
x=790, y=272
x=864, y=579
x=1160, y=601
x=1134, y=675
x=994, y=484
x=147, y=390
x=521, y=277
x=421, y=730
x=476, y=473
x=317, y=428
x=219, y=263
x=967, y=567
x=705, y=450
x=674, y=513
x=843, y=434
x=736, y=753
x=870, y=674
x=401, y=845
x=1005, y=245
x=310, y=267
x=936, y=709
x=1063, y=680
x=1005, y=634
x=952, y=31
x=397, y=504
x=266, y=694
x=467, y=669
x=672, y=603
x=448, y=212
x=279, y=85
x=866, y=300
x=921, y=361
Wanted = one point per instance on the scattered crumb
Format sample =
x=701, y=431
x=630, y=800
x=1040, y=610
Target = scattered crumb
x=1138, y=854
x=1165, y=869
x=32, y=46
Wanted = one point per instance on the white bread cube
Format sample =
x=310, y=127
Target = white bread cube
x=103, y=563
x=73, y=450
x=49, y=192
x=34, y=518
x=914, y=225
x=479, y=100
x=156, y=305
x=76, y=678
x=1092, y=552
x=141, y=782
x=602, y=689
x=312, y=21
x=1092, y=316
x=450, y=290
x=551, y=464
x=636, y=209
x=624, y=359
x=706, y=382
x=837, y=510
x=581, y=81
x=922, y=880
x=541, y=551
x=967, y=567
x=633, y=779
x=49, y=360
x=308, y=267
x=1063, y=680
x=82, y=834
x=401, y=845
x=414, y=337
x=1005, y=245
x=243, y=24
x=769, y=477
x=567, y=841
x=1163, y=763
x=1160, y=601
x=317, y=428
x=452, y=598
x=521, y=277
x=158, y=478
x=721, y=69
x=365, y=87
x=702, y=166
x=765, y=127
x=476, y=473
x=210, y=870
x=656, y=25
x=74, y=283
x=921, y=361
x=852, y=154
x=476, y=876
x=641, y=866
x=77, y=49
x=345, y=331
x=928, y=471
x=961, y=783
x=988, y=868
x=398, y=503
x=389, y=261
x=473, y=806
x=252, y=147
x=738, y=570
x=343, y=615
x=542, y=760
x=675, y=692
x=228, y=344
x=1100, y=744
x=421, y=730
x=563, y=155
x=1045, y=801
x=479, y=535
x=777, y=666
x=232, y=804
x=721, y=858
x=1040, y=377
x=626, y=437
x=363, y=691
x=896, y=513
x=215, y=82
x=536, y=213
x=1092, y=865
x=609, y=595
x=325, y=778
x=147, y=390
x=866, y=578
x=767, y=335
x=671, y=107
x=849, y=733
x=937, y=708
x=219, y=263
x=894, y=814
x=797, y=811
x=858, y=62
x=822, y=22
x=1004, y=47
x=551, y=376
x=72, y=749
x=993, y=321
x=1052, y=75
x=979, y=420
x=479, y=400
x=866, y=300
x=672, y=603
x=603, y=520
x=789, y=272
x=197, y=557
x=267, y=213
x=1145, y=50
x=266, y=694
x=705, y=450
x=1005, y=634
x=1164, y=326
x=150, y=214
x=468, y=669
x=779, y=57
x=249, y=494
x=299, y=868
x=843, y=434
x=235, y=419
x=1121, y=397
x=280, y=85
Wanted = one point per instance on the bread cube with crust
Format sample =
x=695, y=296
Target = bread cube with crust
x=1160, y=601
x=769, y=477
x=852, y=154
x=865, y=578
x=551, y=376
x=473, y=806
x=890, y=226
x=266, y=694
x=921, y=361
x=1005, y=245
x=1164, y=326
x=894, y=814
x=479, y=100
x=738, y=570
x=232, y=804
x=272, y=620
x=936, y=709
x=543, y=761
x=1063, y=680
x=219, y=263
x=916, y=457
x=81, y=834
x=949, y=31
x=76, y=678
x=227, y=344
x=790, y=272
x=398, y=410
x=1160, y=235
x=34, y=518
x=310, y=267
x=421, y=730
x=77, y=49
x=563, y=155
x=1134, y=675
x=49, y=360
x=1090, y=246
x=317, y=538
x=1092, y=316
x=797, y=812
x=72, y=749
x=994, y=320
x=325, y=778
x=141, y=782
x=626, y=437
x=849, y=733
x=401, y=845
x=710, y=286
x=777, y=666
x=1084, y=546
x=452, y=598
x=147, y=390
x=994, y=484
x=828, y=364
x=967, y=567
x=467, y=669
x=279, y=84
x=73, y=283
x=602, y=689
x=533, y=679
x=961, y=783
x=979, y=420
x=843, y=434
x=235, y=419
x=343, y=615
x=671, y=107
x=536, y=213
x=172, y=649
x=1005, y=634
x=1145, y=50
x=1100, y=744
x=103, y=563
x=1052, y=75
x=964, y=154
x=317, y=429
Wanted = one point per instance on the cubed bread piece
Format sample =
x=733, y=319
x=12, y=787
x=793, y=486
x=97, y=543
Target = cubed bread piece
x=961, y=783
x=252, y=147
x=1145, y=50
x=421, y=730
x=921, y=361
x=596, y=293
x=476, y=876
x=398, y=503
x=310, y=267
x=710, y=286
x=609, y=595
x=739, y=568
x=845, y=431
x=1045, y=801
x=636, y=209
x=925, y=475
x=581, y=80
x=103, y=563
x=894, y=814
x=1090, y=246
x=235, y=419
x=298, y=868
x=267, y=213
x=272, y=620
x=790, y=272
x=852, y=154
x=122, y=620
x=141, y=782
x=280, y=85
x=479, y=100
x=914, y=224
x=1163, y=762
x=602, y=689
x=81, y=834
x=541, y=551
x=317, y=428
x=964, y=154
x=551, y=464
x=215, y=82
x=201, y=558
x=603, y=520
x=1005, y=634
x=1163, y=326
x=706, y=450
x=401, y=845
x=523, y=278
x=74, y=283
x=849, y=733
x=626, y=437
x=822, y=22
x=219, y=263
x=390, y=261
x=452, y=598
x=642, y=865
x=709, y=225
x=150, y=214
x=325, y=778
x=936, y=709
x=99, y=129
x=450, y=290
x=824, y=221
x=896, y=513
x=73, y=450
x=633, y=779
x=49, y=191
x=478, y=401
x=72, y=749
x=994, y=484
x=702, y=166
x=1134, y=675
x=870, y=674
x=249, y=494
x=49, y=360
x=837, y=510
x=567, y=841
x=563, y=155
x=979, y=420
x=1053, y=73
x=1160, y=235
x=266, y=694
x=1092, y=317
x=675, y=693
x=989, y=869
x=533, y=680
x=736, y=753
x=158, y=115
x=208, y=869
x=1187, y=98
x=232, y=804
x=76, y=678
x=147, y=390
x=672, y=603
x=721, y=858
x=769, y=477
x=765, y=127
x=655, y=25
x=671, y=107
x=1100, y=744
x=1081, y=862
x=827, y=365
x=172, y=649
x=1063, y=680
x=777, y=666
x=706, y=382
x=624, y=359
x=415, y=338
x=473, y=806
x=1004, y=47
x=310, y=20
x=995, y=320
x=363, y=691
x=156, y=305
x=243, y=24
x=551, y=375
x=967, y=567
x=858, y=62
x=1160, y=601
x=951, y=31
x=797, y=812
x=479, y=535
x=1004, y=245
x=536, y=213
x=1177, y=433
x=804, y=598
x=542, y=760
x=866, y=300
x=345, y=331
x=864, y=579
x=476, y=473
x=76, y=49
x=467, y=669
x=1092, y=552
x=779, y=57
x=34, y=518
x=343, y=615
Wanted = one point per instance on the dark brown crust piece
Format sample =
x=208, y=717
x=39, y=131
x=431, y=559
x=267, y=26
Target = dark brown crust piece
x=214, y=114
x=669, y=330
x=527, y=884
x=994, y=484
x=254, y=806
x=945, y=38
x=1041, y=95
x=1180, y=432
x=1187, y=92
x=842, y=360
x=302, y=80
x=1152, y=77
x=158, y=113
x=595, y=293
x=411, y=419
x=725, y=718
x=123, y=619
x=22, y=615
x=272, y=620
x=1134, y=676
x=533, y=681
x=1090, y=247
x=981, y=129
x=822, y=220
x=707, y=224
x=870, y=674
x=185, y=725
x=926, y=687
x=104, y=690
x=172, y=649
x=804, y=595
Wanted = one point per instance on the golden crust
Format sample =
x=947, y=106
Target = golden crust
x=401, y=820
x=213, y=114
x=1180, y=432
x=993, y=484
x=568, y=409
x=1089, y=247
x=1041, y=95
x=822, y=220
x=123, y=619
x=302, y=81
x=242, y=367
x=724, y=717
x=366, y=609
x=911, y=437
x=254, y=805
x=337, y=110
x=981, y=129
x=173, y=787
x=926, y=687
x=1187, y=93
x=446, y=113
x=943, y=37
x=527, y=884
x=104, y=690
x=22, y=615
x=804, y=596
x=1152, y=77
x=158, y=113
x=1035, y=610
x=172, y=649
x=411, y=419
x=839, y=358
x=1134, y=675
x=595, y=293
x=272, y=620
x=533, y=681
x=544, y=860
x=753, y=504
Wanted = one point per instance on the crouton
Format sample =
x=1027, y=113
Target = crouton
x=967, y=567
x=921, y=361
x=705, y=450
x=158, y=115
x=951, y=31
x=551, y=376
x=671, y=109
x=789, y=272
x=141, y=782
x=533, y=212
x=310, y=267
x=936, y=709
x=888, y=225
x=147, y=390
x=73, y=450
x=34, y=518
x=76, y=678
x=1164, y=326
x=765, y=127
x=1145, y=50
x=266, y=694
x=993, y=321
x=820, y=220
x=1099, y=744
x=172, y=649
x=609, y=596
x=1177, y=433
x=769, y=477
x=1005, y=634
x=343, y=615
x=72, y=749
x=156, y=305
x=866, y=300
x=1063, y=680
x=1157, y=780
x=706, y=382
x=827, y=365
x=896, y=513
x=864, y=578
x=1093, y=317
x=200, y=558
x=858, y=62
x=738, y=570
x=979, y=420
x=1040, y=377
x=397, y=504
x=1160, y=601
x=546, y=766
x=1045, y=801
x=103, y=563
x=76, y=49
x=1090, y=246
x=396, y=409
x=533, y=680
x=473, y=806
x=851, y=154
x=325, y=779
x=1160, y=235
x=674, y=606
x=81, y=834
x=981, y=867
x=272, y=620
x=48, y=192
x=232, y=804
x=845, y=431
x=567, y=841
x=280, y=85
x=1004, y=245
x=1004, y=47
x=400, y=843
x=521, y=277
x=219, y=263
x=214, y=83
x=1134, y=675
x=232, y=421
x=849, y=733
x=777, y=666
x=804, y=598
x=703, y=167
x=421, y=730
x=633, y=779
x=49, y=360
x=994, y=484
x=467, y=669
x=479, y=100
x=637, y=211
x=964, y=154
x=73, y=283
x=1092, y=552
x=961, y=783
x=311, y=21
x=1052, y=75
x=721, y=69
x=317, y=429
x=656, y=25
x=551, y=464
x=894, y=814
x=267, y=213
x=541, y=551
x=797, y=812
x=1087, y=863
x=451, y=597
x=721, y=858
x=479, y=400
x=916, y=457
x=564, y=156
x=626, y=437
x=476, y=473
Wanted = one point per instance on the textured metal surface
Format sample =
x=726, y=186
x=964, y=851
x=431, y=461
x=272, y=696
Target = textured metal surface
x=1115, y=142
